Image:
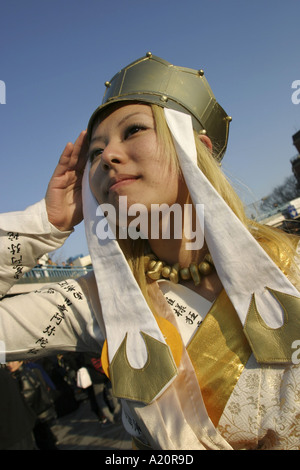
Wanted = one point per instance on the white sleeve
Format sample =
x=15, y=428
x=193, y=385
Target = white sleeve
x=24, y=237
x=59, y=316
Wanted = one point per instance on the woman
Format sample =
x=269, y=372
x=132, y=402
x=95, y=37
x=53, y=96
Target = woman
x=196, y=307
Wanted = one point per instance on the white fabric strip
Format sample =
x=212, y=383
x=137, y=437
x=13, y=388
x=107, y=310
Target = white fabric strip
x=123, y=306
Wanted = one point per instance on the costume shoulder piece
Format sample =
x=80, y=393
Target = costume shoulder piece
x=275, y=345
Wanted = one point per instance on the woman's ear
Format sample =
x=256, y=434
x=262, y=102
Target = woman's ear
x=206, y=141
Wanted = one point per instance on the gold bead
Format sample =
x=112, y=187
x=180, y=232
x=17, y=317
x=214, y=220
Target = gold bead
x=155, y=272
x=151, y=264
x=158, y=266
x=149, y=54
x=195, y=274
x=205, y=268
x=107, y=84
x=154, y=275
x=209, y=259
x=174, y=276
x=166, y=271
x=185, y=274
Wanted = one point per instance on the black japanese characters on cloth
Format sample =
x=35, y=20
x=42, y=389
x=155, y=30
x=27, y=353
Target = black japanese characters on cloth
x=182, y=311
x=58, y=316
x=14, y=246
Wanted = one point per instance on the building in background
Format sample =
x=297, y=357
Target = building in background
x=283, y=214
x=295, y=161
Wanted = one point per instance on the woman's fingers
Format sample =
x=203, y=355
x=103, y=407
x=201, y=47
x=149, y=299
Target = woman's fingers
x=74, y=156
x=63, y=197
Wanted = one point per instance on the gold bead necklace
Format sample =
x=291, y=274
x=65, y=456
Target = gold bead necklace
x=156, y=269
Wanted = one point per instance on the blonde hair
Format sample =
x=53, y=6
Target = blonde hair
x=279, y=245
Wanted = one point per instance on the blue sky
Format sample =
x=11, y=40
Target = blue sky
x=56, y=55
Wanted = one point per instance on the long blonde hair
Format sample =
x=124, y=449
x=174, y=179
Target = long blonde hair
x=279, y=245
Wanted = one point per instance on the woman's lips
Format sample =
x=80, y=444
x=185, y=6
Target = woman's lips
x=121, y=180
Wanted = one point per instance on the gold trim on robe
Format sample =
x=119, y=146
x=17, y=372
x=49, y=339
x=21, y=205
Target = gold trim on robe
x=219, y=352
x=271, y=345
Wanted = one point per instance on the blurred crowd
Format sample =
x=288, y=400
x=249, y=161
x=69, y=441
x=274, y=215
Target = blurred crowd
x=34, y=395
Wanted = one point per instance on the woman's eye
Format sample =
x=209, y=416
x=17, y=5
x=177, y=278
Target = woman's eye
x=95, y=153
x=134, y=129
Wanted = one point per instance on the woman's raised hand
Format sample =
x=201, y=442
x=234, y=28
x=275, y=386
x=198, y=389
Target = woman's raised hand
x=63, y=197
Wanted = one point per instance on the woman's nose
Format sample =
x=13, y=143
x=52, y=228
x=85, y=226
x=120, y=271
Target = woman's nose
x=112, y=155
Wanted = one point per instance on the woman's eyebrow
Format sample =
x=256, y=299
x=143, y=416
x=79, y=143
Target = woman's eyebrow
x=96, y=138
x=124, y=119
x=128, y=116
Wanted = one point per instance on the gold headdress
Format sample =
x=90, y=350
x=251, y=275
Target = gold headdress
x=153, y=80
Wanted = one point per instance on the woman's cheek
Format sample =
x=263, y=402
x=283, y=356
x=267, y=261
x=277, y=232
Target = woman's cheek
x=95, y=185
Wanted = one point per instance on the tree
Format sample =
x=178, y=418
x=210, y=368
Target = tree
x=282, y=194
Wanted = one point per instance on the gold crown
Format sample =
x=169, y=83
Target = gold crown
x=151, y=79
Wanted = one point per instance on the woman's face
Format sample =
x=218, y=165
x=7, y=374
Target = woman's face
x=126, y=160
